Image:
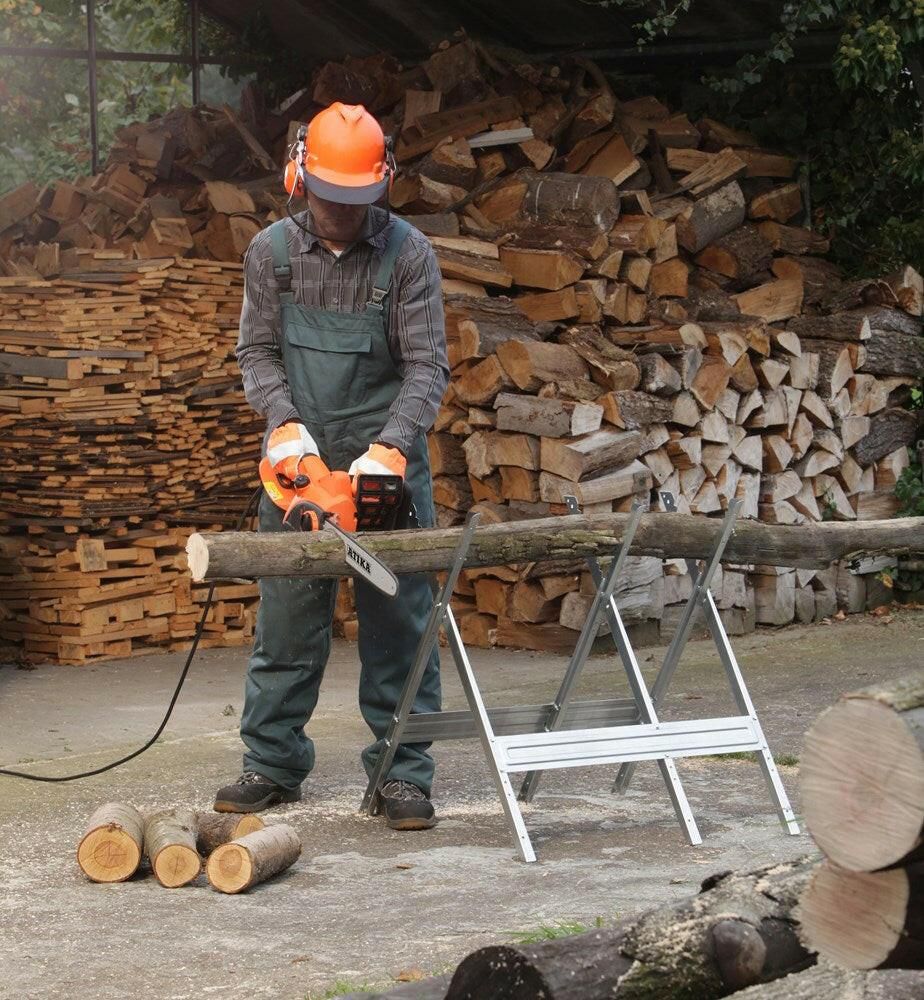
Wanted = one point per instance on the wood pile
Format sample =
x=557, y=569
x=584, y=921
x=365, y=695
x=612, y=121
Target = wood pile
x=633, y=303
x=863, y=789
x=122, y=427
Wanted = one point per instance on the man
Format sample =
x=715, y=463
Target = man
x=342, y=347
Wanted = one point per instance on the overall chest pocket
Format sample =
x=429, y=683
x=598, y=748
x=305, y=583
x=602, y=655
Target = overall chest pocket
x=328, y=359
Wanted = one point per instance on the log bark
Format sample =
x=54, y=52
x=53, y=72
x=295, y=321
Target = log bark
x=863, y=776
x=231, y=554
x=736, y=932
x=214, y=829
x=894, y=354
x=170, y=844
x=892, y=429
x=252, y=859
x=110, y=849
x=828, y=982
x=866, y=920
x=711, y=218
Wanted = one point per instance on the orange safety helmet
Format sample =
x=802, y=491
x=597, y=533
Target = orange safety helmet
x=342, y=156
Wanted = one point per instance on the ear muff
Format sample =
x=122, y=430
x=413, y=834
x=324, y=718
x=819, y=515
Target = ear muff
x=292, y=179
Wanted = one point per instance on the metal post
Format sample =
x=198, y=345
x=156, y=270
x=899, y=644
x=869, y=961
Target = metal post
x=194, y=39
x=91, y=79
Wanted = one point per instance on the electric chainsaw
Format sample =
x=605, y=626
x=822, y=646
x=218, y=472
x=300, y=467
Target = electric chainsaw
x=321, y=500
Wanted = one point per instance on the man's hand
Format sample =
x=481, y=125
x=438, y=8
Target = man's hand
x=287, y=444
x=380, y=460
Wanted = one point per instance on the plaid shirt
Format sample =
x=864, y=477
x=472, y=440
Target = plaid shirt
x=321, y=279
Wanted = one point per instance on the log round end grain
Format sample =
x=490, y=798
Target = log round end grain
x=197, y=556
x=854, y=919
x=176, y=865
x=230, y=868
x=110, y=850
x=862, y=781
x=109, y=854
x=254, y=858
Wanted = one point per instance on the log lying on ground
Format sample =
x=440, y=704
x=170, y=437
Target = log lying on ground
x=866, y=920
x=829, y=982
x=246, y=862
x=736, y=932
x=862, y=776
x=170, y=844
x=110, y=849
x=214, y=829
x=231, y=554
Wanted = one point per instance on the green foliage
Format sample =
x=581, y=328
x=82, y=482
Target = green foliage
x=44, y=103
x=342, y=987
x=560, y=929
x=910, y=491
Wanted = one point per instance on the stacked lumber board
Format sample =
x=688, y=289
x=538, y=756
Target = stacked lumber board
x=122, y=427
x=633, y=304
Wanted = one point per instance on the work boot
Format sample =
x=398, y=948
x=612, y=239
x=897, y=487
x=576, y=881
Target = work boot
x=253, y=792
x=406, y=807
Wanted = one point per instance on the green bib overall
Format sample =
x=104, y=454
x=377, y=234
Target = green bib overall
x=343, y=381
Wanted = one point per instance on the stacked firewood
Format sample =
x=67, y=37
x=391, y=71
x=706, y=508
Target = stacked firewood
x=634, y=304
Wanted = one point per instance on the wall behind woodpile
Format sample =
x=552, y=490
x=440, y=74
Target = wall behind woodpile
x=633, y=303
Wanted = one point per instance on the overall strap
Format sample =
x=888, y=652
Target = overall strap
x=382, y=282
x=282, y=268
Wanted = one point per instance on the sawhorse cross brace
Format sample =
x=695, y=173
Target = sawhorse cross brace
x=567, y=733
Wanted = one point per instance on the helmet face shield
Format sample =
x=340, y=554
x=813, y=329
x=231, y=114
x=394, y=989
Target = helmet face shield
x=365, y=194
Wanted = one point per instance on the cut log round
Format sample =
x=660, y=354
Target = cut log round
x=866, y=920
x=170, y=844
x=214, y=828
x=246, y=862
x=229, y=554
x=110, y=849
x=863, y=776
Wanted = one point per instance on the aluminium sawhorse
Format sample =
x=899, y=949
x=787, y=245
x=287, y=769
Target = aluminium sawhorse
x=532, y=738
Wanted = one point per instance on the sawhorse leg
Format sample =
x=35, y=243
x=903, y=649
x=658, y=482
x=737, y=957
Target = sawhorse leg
x=701, y=598
x=441, y=615
x=609, y=608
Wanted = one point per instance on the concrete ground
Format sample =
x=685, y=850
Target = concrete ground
x=365, y=904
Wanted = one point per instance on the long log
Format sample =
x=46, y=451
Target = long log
x=230, y=554
x=738, y=931
x=862, y=776
x=829, y=982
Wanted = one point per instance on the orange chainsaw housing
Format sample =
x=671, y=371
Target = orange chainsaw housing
x=331, y=491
